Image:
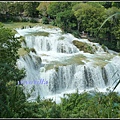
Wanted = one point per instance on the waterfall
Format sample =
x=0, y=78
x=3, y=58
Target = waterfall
x=58, y=66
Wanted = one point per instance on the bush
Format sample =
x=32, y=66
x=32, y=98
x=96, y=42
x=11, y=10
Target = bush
x=33, y=20
x=24, y=20
x=45, y=20
x=53, y=23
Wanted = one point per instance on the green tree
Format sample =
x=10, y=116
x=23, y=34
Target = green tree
x=106, y=4
x=116, y=4
x=15, y=8
x=4, y=11
x=9, y=9
x=89, y=17
x=111, y=24
x=30, y=9
x=66, y=20
x=43, y=7
x=9, y=73
x=56, y=7
x=3, y=7
x=90, y=105
x=12, y=8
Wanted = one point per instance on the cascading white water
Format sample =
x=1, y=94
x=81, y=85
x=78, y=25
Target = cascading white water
x=65, y=68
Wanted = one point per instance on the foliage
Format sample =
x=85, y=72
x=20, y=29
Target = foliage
x=111, y=23
x=74, y=105
x=45, y=20
x=10, y=94
x=95, y=105
x=89, y=17
x=116, y=4
x=93, y=16
x=62, y=15
x=66, y=20
x=32, y=20
x=43, y=7
x=30, y=8
x=106, y=4
x=71, y=16
x=15, y=8
x=3, y=7
x=56, y=7
x=10, y=10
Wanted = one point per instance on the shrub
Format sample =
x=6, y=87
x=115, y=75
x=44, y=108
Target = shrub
x=33, y=20
x=45, y=20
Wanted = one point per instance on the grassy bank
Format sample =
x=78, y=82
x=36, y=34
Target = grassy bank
x=13, y=25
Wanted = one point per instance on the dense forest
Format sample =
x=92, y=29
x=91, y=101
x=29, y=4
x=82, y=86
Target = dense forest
x=73, y=17
x=99, y=20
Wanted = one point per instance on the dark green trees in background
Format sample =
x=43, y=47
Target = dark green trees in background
x=73, y=17
x=30, y=9
x=10, y=9
x=15, y=9
x=62, y=15
x=43, y=12
x=66, y=20
x=43, y=8
x=56, y=7
x=89, y=17
x=112, y=26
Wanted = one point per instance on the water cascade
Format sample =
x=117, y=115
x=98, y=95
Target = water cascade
x=61, y=63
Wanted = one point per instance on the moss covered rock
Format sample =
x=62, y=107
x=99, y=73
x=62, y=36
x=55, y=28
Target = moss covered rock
x=39, y=33
x=33, y=50
x=22, y=52
x=83, y=47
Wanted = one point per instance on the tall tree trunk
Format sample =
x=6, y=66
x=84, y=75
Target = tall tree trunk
x=118, y=44
x=78, y=26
